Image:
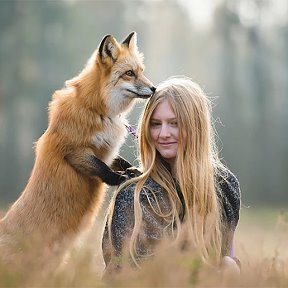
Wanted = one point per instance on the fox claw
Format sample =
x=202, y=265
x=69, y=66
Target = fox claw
x=132, y=172
x=123, y=178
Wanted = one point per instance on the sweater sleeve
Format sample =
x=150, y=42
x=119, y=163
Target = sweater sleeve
x=121, y=226
x=230, y=195
x=231, y=199
x=123, y=220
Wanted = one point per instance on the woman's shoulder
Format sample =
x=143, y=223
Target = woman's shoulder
x=230, y=194
x=149, y=190
x=152, y=186
x=228, y=183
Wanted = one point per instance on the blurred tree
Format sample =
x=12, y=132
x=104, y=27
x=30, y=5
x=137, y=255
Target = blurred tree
x=9, y=74
x=241, y=60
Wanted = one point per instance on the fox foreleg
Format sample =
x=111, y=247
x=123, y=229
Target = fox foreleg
x=123, y=167
x=120, y=164
x=85, y=162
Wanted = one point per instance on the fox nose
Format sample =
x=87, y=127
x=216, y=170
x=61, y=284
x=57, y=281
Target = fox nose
x=153, y=89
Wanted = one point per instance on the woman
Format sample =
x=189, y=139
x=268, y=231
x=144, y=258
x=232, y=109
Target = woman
x=183, y=191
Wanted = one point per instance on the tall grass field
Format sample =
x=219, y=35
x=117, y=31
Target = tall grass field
x=260, y=243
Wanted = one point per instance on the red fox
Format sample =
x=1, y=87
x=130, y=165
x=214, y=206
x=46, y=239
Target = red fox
x=86, y=124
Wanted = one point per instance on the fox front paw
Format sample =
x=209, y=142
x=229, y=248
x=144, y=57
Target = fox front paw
x=132, y=172
x=122, y=179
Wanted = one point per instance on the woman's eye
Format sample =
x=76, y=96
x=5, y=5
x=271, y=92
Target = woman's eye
x=174, y=123
x=130, y=73
x=154, y=124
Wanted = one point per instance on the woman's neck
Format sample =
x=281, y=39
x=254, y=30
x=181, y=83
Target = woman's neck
x=170, y=164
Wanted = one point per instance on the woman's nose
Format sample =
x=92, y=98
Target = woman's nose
x=165, y=131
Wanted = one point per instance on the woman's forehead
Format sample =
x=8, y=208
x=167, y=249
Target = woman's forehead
x=163, y=109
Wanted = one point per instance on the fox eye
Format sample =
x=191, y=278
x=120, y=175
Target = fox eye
x=130, y=73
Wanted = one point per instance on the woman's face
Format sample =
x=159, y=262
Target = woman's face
x=165, y=132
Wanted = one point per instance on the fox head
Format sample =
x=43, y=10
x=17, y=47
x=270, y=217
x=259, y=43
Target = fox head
x=113, y=77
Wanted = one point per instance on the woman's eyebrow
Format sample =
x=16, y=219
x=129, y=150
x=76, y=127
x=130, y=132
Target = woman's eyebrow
x=166, y=119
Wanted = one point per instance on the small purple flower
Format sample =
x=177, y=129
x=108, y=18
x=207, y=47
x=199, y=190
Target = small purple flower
x=132, y=131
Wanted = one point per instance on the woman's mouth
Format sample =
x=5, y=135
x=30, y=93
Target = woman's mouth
x=167, y=144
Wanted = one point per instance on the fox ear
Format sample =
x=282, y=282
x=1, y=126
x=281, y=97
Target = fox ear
x=109, y=48
x=131, y=41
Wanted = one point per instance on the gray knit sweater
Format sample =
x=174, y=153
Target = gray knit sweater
x=153, y=225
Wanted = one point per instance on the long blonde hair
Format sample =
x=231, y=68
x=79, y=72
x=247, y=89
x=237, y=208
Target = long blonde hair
x=196, y=167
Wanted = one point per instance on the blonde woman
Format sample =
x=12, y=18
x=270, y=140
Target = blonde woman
x=183, y=188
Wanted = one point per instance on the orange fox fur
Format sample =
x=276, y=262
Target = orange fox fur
x=86, y=120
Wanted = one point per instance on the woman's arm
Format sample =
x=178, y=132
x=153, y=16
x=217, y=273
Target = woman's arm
x=121, y=227
x=231, y=199
x=123, y=219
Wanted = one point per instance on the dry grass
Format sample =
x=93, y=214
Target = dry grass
x=260, y=243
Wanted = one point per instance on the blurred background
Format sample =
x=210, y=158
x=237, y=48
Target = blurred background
x=237, y=50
